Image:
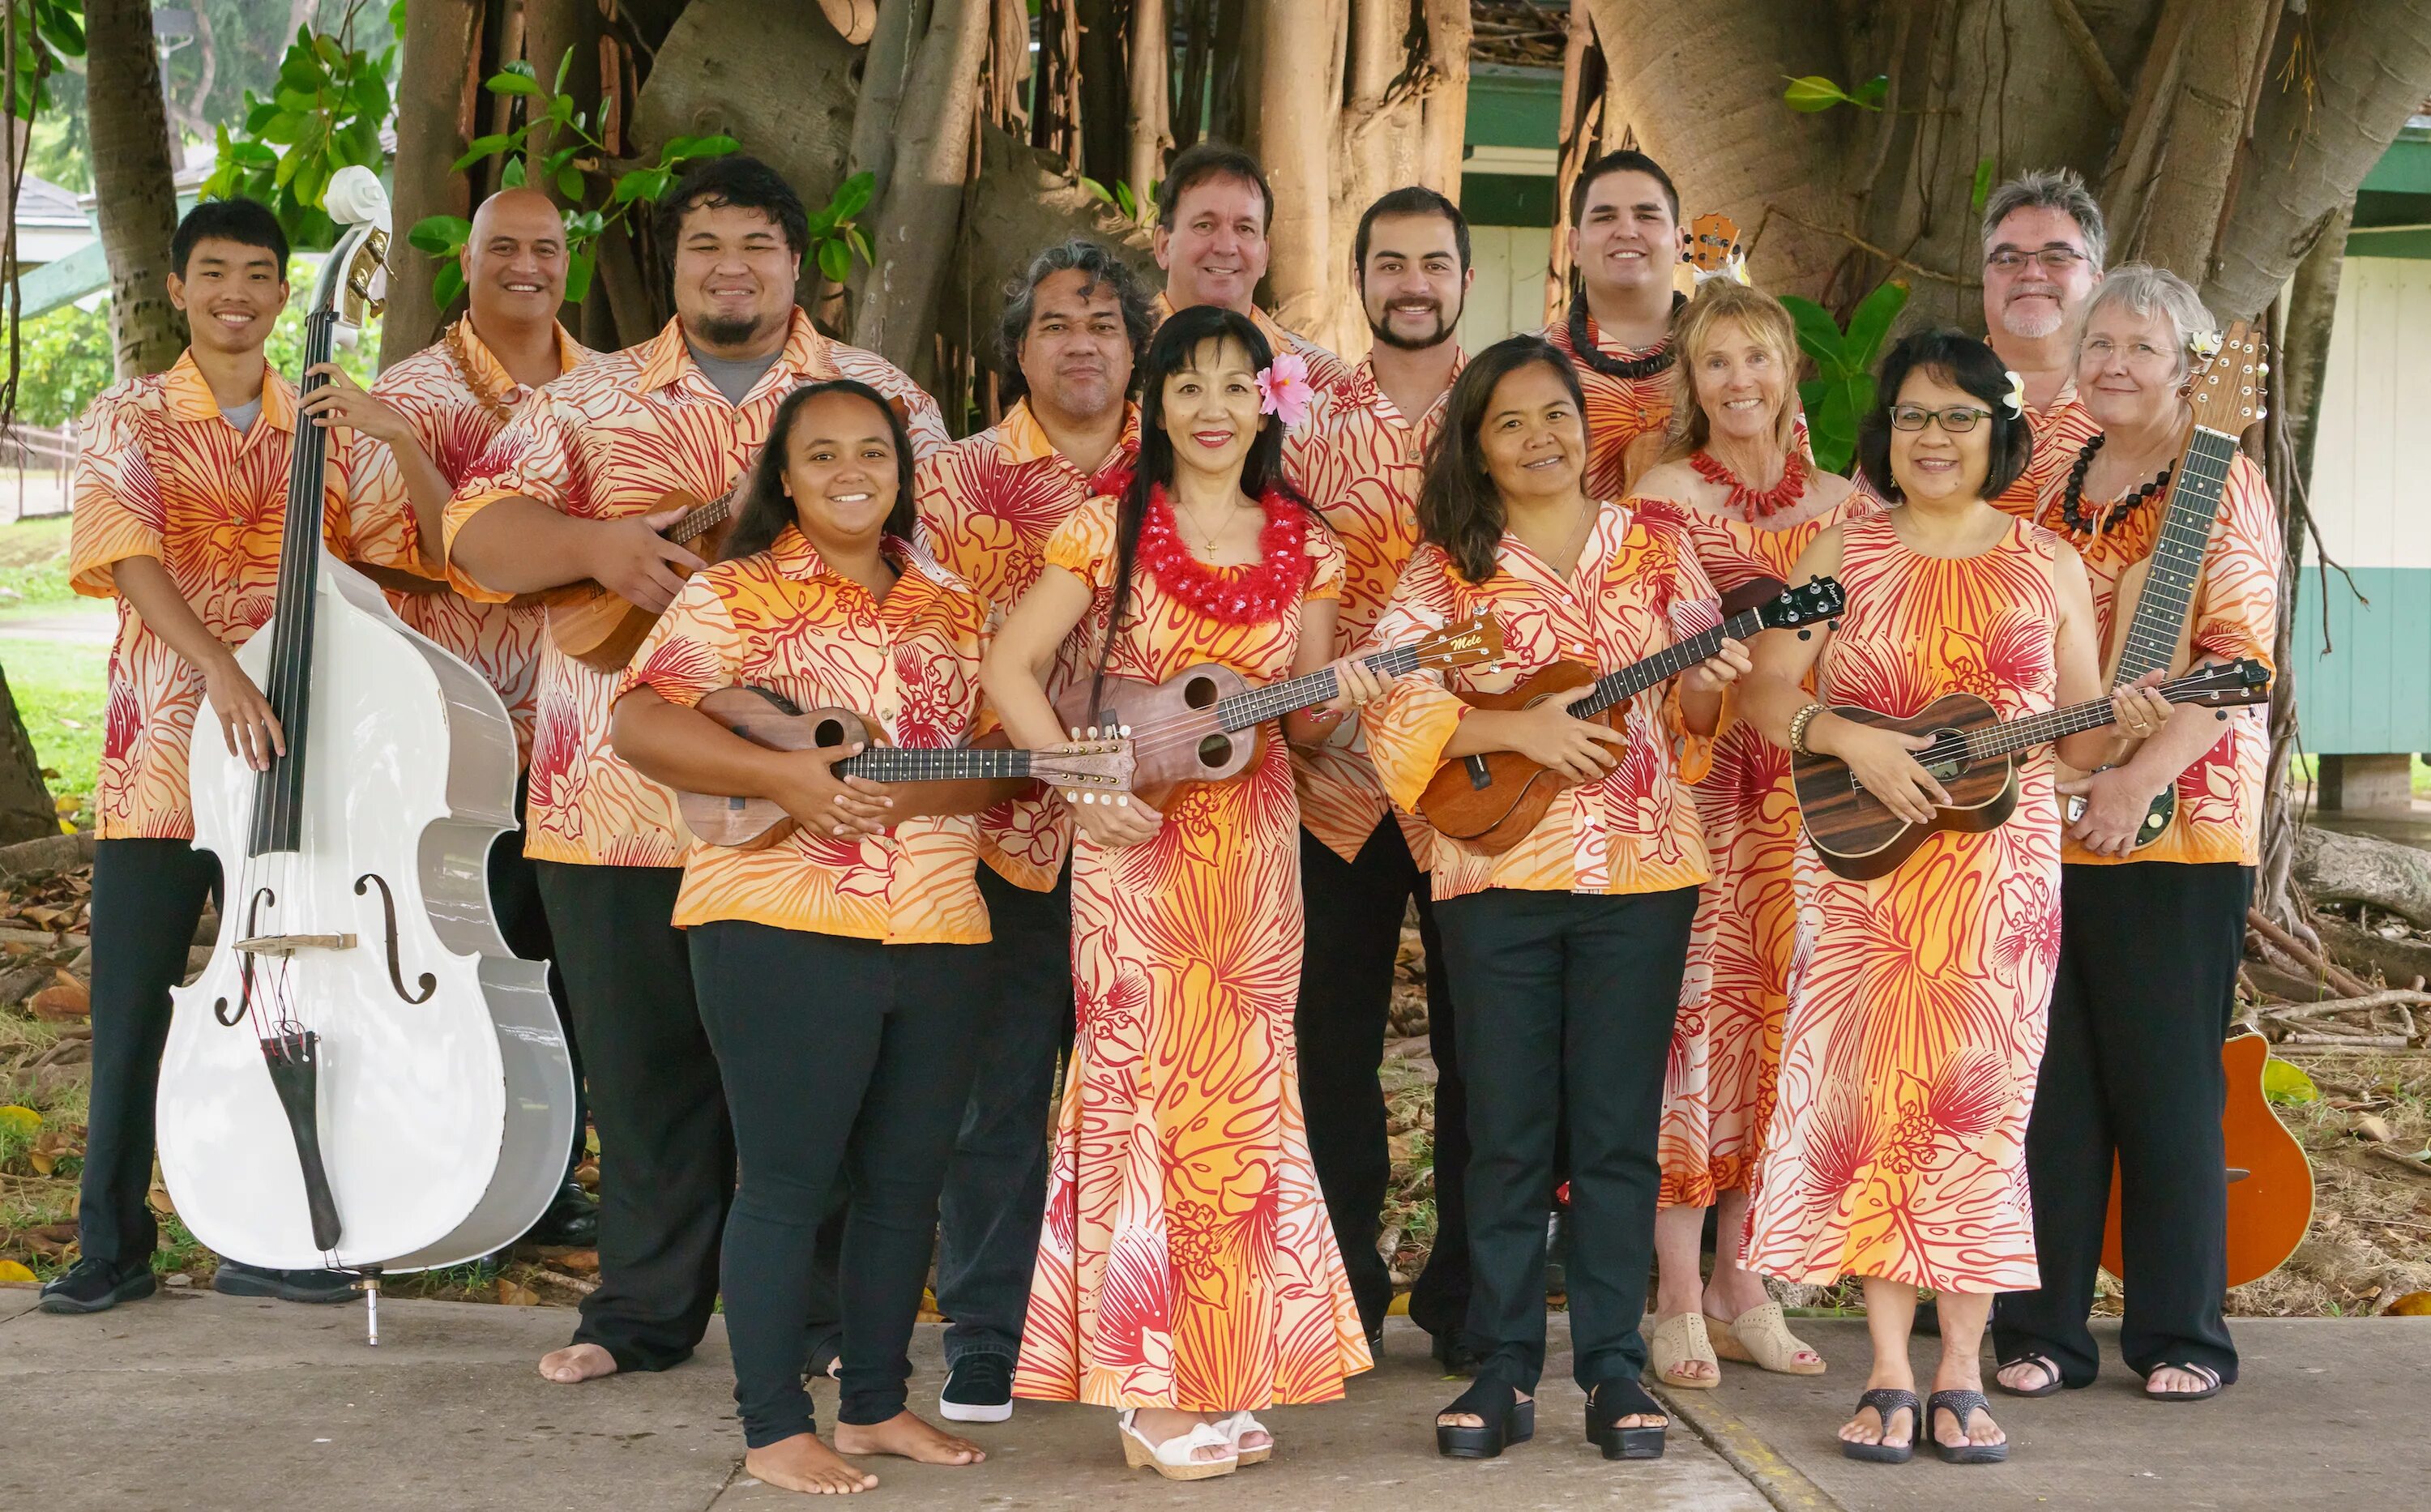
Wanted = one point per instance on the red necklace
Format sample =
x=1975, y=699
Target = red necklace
x=1250, y=594
x=1754, y=505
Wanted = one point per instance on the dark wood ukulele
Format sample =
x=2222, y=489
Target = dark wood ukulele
x=601, y=628
x=1973, y=758
x=956, y=780
x=1205, y=725
x=1490, y=802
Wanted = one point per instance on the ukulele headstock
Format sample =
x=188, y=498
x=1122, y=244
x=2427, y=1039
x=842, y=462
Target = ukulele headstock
x=2226, y=391
x=2229, y=686
x=1087, y=770
x=1476, y=639
x=1811, y=603
x=1714, y=246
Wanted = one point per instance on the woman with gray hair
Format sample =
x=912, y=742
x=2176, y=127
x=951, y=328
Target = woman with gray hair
x=2152, y=917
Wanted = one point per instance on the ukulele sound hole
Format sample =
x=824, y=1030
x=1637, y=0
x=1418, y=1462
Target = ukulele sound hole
x=1943, y=771
x=1216, y=750
x=1200, y=693
x=827, y=733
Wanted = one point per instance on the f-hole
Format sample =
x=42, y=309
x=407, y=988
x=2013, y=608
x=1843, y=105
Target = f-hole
x=220, y=1009
x=428, y=982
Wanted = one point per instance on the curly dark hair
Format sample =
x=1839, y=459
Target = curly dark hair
x=1459, y=508
x=1963, y=363
x=738, y=179
x=1104, y=269
x=767, y=508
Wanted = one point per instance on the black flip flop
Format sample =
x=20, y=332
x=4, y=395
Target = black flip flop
x=2042, y=1362
x=2204, y=1371
x=1886, y=1401
x=1608, y=1402
x=1961, y=1405
x=1508, y=1421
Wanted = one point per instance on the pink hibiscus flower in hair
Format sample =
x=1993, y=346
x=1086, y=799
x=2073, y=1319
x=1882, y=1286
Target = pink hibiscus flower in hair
x=1283, y=389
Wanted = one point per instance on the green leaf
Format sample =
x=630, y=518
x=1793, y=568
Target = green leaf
x=330, y=53
x=447, y=285
x=285, y=128
x=569, y=183
x=835, y=261
x=1811, y=93
x=852, y=196
x=564, y=66
x=479, y=148
x=2285, y=1083
x=560, y=108
x=1098, y=188
x=1983, y=190
x=1832, y=429
x=1871, y=321
x=860, y=244
x=439, y=235
x=259, y=114
x=582, y=228
x=62, y=31
x=681, y=149
x=578, y=275
x=512, y=83
x=1126, y=200
x=1872, y=91
x=511, y=175
x=1818, y=334
x=642, y=184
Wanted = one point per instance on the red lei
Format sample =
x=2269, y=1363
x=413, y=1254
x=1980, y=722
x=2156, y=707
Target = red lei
x=1752, y=504
x=1252, y=595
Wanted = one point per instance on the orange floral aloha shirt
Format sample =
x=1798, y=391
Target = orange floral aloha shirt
x=609, y=441
x=1637, y=590
x=162, y=473
x=455, y=411
x=909, y=664
x=1620, y=411
x=1325, y=369
x=989, y=504
x=2060, y=429
x=1359, y=460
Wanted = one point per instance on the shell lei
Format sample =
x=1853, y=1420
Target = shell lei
x=1236, y=596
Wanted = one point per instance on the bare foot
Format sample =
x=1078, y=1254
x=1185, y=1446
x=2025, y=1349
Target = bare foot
x=1252, y=1435
x=910, y=1437
x=1979, y=1428
x=2030, y=1374
x=1471, y=1420
x=2181, y=1381
x=1867, y=1426
x=1160, y=1425
x=802, y=1463
x=575, y=1364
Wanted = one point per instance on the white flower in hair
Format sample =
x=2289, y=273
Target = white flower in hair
x=2016, y=398
x=2203, y=344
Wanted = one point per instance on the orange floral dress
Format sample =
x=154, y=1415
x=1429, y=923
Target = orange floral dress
x=1186, y=1260
x=1918, y=1001
x=1718, y=1088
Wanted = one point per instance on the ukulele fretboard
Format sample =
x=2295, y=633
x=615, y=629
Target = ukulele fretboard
x=1276, y=700
x=1635, y=679
x=897, y=764
x=2012, y=735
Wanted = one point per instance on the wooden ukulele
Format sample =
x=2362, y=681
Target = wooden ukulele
x=1490, y=802
x=601, y=628
x=1972, y=757
x=1714, y=244
x=1205, y=725
x=957, y=779
x=2150, y=630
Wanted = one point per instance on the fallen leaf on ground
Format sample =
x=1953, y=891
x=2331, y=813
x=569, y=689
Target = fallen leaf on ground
x=516, y=1294
x=2283, y=1082
x=19, y=1119
x=2413, y=1304
x=577, y=1262
x=11, y=1270
x=2373, y=1128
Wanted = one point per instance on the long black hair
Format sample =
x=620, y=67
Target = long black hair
x=1964, y=364
x=767, y=509
x=1459, y=508
x=1176, y=349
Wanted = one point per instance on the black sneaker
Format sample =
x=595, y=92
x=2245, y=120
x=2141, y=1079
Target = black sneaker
x=1453, y=1353
x=237, y=1280
x=95, y=1286
x=979, y=1389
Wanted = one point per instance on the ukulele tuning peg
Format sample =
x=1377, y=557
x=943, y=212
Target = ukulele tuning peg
x=1806, y=636
x=2261, y=412
x=2262, y=369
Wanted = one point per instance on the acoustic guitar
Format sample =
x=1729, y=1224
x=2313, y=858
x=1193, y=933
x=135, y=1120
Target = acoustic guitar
x=1492, y=801
x=1206, y=724
x=601, y=628
x=955, y=779
x=1973, y=756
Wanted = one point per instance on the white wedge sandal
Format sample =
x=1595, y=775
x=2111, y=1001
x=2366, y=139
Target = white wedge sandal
x=1172, y=1460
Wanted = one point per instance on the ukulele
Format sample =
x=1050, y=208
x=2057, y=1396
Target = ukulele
x=2160, y=590
x=956, y=780
x=1714, y=248
x=1492, y=801
x=1204, y=724
x=1972, y=757
x=600, y=626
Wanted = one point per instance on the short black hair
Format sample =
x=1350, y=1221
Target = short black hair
x=1098, y=265
x=1206, y=161
x=247, y=222
x=1626, y=160
x=767, y=508
x=738, y=179
x=1965, y=364
x=1416, y=199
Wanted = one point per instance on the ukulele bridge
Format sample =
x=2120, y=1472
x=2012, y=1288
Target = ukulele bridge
x=287, y=944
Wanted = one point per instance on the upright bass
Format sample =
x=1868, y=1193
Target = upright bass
x=364, y=1077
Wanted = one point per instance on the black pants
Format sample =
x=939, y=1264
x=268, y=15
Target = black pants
x=843, y=1060
x=514, y=901
x=2147, y=985
x=1355, y=911
x=666, y=1152
x=1566, y=1001
x=147, y=897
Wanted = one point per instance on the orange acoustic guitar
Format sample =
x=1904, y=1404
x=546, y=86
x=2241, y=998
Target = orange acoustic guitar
x=601, y=628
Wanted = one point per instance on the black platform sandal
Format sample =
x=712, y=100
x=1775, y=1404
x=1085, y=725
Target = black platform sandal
x=2204, y=1371
x=1508, y=1420
x=2041, y=1362
x=1608, y=1402
x=1961, y=1405
x=1887, y=1402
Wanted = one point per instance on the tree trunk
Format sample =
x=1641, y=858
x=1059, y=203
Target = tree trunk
x=1299, y=95
x=554, y=31
x=1148, y=126
x=1446, y=141
x=2199, y=126
x=2357, y=868
x=1106, y=84
x=133, y=182
x=26, y=812
x=922, y=204
x=442, y=42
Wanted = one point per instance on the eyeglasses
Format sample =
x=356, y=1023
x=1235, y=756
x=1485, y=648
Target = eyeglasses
x=1958, y=420
x=2053, y=258
x=2102, y=348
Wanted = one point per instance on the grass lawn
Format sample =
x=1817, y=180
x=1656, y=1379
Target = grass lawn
x=34, y=564
x=58, y=689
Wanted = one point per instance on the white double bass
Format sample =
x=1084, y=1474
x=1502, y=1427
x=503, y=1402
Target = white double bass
x=364, y=1077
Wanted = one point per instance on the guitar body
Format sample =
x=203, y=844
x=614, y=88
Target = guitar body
x=1860, y=839
x=1174, y=724
x=601, y=628
x=1491, y=802
x=2269, y=1184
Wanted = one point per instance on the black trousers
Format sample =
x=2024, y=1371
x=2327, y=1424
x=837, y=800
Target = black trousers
x=514, y=901
x=1566, y=1003
x=2147, y=985
x=147, y=897
x=844, y=1061
x=1355, y=911
x=666, y=1152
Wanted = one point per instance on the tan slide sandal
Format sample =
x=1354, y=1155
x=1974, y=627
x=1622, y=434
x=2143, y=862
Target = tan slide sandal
x=1760, y=1337
x=1678, y=1340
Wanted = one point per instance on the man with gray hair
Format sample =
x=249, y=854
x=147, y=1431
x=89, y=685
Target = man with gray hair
x=2044, y=246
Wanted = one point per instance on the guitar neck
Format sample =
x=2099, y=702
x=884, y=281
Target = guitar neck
x=2151, y=638
x=1635, y=679
x=897, y=764
x=700, y=521
x=2012, y=735
x=1276, y=700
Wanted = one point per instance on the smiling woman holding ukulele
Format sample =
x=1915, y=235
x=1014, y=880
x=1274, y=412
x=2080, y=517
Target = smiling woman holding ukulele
x=1570, y=942
x=1918, y=997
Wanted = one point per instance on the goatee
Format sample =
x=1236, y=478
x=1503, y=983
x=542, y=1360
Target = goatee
x=1386, y=336
x=729, y=331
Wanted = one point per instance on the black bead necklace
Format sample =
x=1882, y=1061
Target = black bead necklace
x=1582, y=345
x=2071, y=503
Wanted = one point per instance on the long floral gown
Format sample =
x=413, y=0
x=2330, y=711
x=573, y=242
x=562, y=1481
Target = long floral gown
x=1918, y=1001
x=1186, y=1260
x=1718, y=1088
